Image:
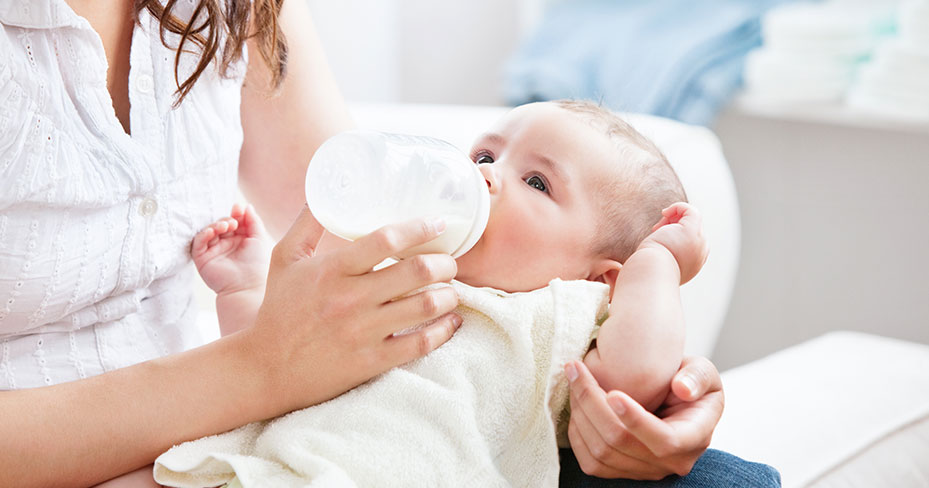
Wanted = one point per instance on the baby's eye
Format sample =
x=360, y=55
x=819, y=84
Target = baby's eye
x=537, y=182
x=484, y=159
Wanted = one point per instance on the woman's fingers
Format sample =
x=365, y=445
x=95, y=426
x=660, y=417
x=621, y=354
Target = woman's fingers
x=657, y=436
x=679, y=438
x=423, y=340
x=411, y=274
x=611, y=433
x=369, y=250
x=598, y=457
x=600, y=426
x=416, y=309
x=323, y=308
x=696, y=377
x=586, y=460
x=620, y=433
x=617, y=465
x=300, y=240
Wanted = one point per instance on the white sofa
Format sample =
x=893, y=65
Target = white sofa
x=845, y=409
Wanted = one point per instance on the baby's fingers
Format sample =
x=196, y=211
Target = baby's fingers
x=202, y=240
x=661, y=223
x=249, y=223
x=683, y=213
x=225, y=226
x=237, y=212
x=674, y=214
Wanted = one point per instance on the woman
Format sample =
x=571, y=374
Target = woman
x=103, y=183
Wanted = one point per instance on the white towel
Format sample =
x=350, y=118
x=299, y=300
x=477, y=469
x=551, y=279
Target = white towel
x=481, y=410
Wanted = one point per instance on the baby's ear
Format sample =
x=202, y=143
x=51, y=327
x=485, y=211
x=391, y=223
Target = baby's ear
x=605, y=271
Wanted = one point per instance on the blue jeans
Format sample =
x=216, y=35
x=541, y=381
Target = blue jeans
x=713, y=469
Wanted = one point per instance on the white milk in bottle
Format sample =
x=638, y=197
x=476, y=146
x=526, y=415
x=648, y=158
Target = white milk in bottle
x=361, y=180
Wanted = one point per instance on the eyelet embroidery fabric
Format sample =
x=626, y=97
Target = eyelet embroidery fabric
x=95, y=224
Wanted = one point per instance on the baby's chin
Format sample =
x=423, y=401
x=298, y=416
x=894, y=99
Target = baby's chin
x=470, y=272
x=483, y=273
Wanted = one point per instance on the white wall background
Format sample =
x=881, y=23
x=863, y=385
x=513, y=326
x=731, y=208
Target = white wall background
x=451, y=51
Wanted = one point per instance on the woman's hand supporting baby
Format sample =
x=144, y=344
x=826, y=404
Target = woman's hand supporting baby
x=617, y=438
x=638, y=355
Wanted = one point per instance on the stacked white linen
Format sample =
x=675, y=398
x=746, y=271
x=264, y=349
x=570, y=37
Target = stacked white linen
x=896, y=81
x=811, y=51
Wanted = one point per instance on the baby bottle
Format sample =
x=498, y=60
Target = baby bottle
x=361, y=180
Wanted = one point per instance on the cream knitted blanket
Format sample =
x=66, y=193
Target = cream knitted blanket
x=481, y=410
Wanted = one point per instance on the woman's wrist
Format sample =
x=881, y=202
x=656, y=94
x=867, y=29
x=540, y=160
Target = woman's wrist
x=259, y=365
x=271, y=366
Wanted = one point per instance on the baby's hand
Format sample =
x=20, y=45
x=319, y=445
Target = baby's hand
x=230, y=254
x=680, y=231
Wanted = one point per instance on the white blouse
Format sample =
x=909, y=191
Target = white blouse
x=95, y=225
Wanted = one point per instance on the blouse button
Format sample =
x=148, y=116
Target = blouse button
x=148, y=207
x=145, y=83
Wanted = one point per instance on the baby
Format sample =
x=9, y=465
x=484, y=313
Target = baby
x=583, y=209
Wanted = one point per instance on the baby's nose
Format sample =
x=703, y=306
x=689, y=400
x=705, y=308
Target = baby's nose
x=490, y=176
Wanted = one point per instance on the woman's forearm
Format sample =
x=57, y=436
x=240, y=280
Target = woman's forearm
x=84, y=432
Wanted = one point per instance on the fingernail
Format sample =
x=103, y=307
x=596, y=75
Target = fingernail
x=690, y=384
x=456, y=320
x=616, y=404
x=571, y=372
x=437, y=225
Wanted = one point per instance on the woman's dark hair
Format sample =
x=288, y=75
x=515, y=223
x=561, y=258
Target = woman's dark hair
x=230, y=22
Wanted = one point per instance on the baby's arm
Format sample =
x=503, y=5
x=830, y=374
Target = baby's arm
x=233, y=261
x=640, y=346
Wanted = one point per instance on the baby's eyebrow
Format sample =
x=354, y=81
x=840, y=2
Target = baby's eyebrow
x=554, y=167
x=492, y=138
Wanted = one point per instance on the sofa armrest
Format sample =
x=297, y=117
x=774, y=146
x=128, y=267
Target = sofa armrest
x=835, y=404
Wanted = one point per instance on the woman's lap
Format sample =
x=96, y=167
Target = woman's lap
x=713, y=469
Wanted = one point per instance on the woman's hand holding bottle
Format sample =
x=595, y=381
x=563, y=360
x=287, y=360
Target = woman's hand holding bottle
x=329, y=322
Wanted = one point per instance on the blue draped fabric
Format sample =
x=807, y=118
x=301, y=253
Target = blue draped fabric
x=680, y=59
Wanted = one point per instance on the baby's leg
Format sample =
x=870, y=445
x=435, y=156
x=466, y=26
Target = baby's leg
x=140, y=478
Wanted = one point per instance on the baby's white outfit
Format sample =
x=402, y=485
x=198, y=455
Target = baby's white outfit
x=95, y=225
x=481, y=410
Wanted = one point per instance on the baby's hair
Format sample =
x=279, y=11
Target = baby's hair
x=631, y=202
